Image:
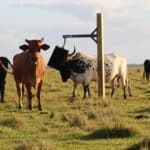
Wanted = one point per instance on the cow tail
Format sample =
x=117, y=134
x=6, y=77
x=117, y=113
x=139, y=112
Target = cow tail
x=3, y=66
x=9, y=63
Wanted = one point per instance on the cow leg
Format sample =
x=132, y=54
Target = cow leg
x=86, y=89
x=39, y=95
x=19, y=85
x=129, y=88
x=124, y=91
x=147, y=76
x=74, y=89
x=118, y=83
x=2, y=90
x=22, y=91
x=2, y=96
x=113, y=88
x=29, y=94
x=124, y=85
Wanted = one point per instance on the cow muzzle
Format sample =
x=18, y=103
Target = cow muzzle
x=34, y=60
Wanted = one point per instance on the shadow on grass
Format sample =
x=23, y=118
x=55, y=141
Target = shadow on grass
x=146, y=91
x=141, y=88
x=109, y=133
x=143, y=110
x=145, y=144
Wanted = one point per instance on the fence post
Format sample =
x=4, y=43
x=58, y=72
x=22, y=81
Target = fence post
x=100, y=57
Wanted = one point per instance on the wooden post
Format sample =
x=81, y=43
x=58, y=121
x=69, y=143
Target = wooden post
x=100, y=56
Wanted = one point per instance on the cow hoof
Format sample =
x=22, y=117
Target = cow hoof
x=85, y=97
x=40, y=108
x=30, y=108
x=20, y=107
x=111, y=96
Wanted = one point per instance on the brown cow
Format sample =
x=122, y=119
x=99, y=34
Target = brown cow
x=29, y=68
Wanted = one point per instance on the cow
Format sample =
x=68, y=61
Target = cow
x=82, y=69
x=146, y=69
x=5, y=61
x=28, y=70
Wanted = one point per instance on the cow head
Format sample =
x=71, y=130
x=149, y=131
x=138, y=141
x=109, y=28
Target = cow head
x=65, y=72
x=59, y=57
x=34, y=47
x=60, y=60
x=73, y=66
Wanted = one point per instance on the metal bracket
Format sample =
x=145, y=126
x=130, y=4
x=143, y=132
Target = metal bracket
x=93, y=35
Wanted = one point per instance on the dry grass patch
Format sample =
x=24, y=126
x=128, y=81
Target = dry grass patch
x=91, y=115
x=64, y=118
x=46, y=145
x=79, y=120
x=29, y=144
x=25, y=145
x=13, y=121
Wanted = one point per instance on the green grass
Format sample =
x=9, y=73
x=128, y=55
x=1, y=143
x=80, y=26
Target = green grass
x=73, y=123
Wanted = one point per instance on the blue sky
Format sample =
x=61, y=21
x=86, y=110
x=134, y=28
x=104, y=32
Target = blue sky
x=126, y=25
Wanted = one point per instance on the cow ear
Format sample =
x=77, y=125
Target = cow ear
x=24, y=47
x=45, y=47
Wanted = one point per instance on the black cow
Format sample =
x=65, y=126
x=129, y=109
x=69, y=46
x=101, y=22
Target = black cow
x=5, y=62
x=146, y=69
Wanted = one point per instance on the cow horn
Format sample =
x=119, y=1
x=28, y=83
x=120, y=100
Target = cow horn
x=74, y=48
x=42, y=39
x=74, y=51
x=27, y=41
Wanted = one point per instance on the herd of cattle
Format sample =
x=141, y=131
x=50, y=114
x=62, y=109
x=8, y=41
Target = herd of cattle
x=29, y=67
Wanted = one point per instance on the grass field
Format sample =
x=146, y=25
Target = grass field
x=76, y=124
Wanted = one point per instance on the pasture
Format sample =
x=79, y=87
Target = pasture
x=73, y=123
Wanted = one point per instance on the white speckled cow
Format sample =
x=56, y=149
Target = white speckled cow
x=82, y=69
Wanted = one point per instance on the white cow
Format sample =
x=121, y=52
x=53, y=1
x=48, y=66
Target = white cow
x=115, y=67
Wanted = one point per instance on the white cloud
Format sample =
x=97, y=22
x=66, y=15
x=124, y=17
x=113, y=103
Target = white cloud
x=93, y=2
x=126, y=24
x=146, y=5
x=81, y=9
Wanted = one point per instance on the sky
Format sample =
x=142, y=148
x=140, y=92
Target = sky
x=126, y=26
